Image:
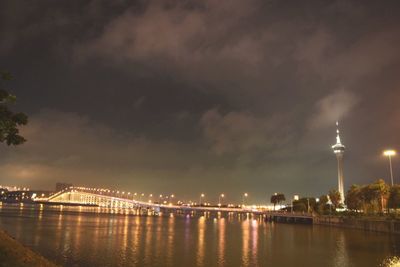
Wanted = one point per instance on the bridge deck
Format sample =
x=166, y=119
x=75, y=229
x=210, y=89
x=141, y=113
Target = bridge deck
x=106, y=199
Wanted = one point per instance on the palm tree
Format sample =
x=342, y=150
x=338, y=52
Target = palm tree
x=274, y=199
x=380, y=192
x=281, y=198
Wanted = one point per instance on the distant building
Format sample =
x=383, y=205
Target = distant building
x=62, y=186
x=338, y=149
x=22, y=195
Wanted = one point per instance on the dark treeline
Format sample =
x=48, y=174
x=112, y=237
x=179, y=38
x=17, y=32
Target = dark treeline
x=375, y=198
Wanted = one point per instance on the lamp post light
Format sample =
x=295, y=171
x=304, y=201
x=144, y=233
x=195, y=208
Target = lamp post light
x=245, y=195
x=201, y=196
x=389, y=153
x=219, y=199
x=330, y=204
x=295, y=198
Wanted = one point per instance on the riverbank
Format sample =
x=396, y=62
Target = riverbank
x=12, y=253
x=382, y=225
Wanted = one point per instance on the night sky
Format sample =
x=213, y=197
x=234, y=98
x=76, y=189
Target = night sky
x=187, y=97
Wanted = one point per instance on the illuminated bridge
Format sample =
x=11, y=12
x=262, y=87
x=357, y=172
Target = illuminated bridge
x=114, y=199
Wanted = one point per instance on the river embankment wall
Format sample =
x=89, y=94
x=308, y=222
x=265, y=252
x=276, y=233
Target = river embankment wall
x=13, y=253
x=367, y=224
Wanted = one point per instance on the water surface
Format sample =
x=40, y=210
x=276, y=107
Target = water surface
x=73, y=236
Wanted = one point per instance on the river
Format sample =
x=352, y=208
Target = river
x=87, y=236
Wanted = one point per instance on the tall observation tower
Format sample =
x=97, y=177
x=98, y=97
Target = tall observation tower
x=338, y=149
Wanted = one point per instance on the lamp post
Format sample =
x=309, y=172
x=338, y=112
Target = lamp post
x=219, y=199
x=330, y=204
x=295, y=198
x=389, y=153
x=245, y=195
x=201, y=196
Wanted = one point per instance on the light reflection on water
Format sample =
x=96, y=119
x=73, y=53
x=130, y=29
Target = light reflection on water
x=245, y=242
x=201, y=226
x=74, y=236
x=221, y=241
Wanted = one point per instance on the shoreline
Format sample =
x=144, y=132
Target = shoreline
x=379, y=225
x=14, y=253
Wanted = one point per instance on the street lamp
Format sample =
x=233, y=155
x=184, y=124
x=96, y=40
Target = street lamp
x=201, y=196
x=295, y=198
x=245, y=195
x=389, y=153
x=219, y=199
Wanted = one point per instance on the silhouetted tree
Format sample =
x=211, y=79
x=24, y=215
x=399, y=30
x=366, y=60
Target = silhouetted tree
x=353, y=198
x=323, y=206
x=335, y=198
x=394, y=197
x=379, y=191
x=299, y=206
x=281, y=197
x=9, y=121
x=307, y=202
x=323, y=199
x=274, y=199
x=277, y=198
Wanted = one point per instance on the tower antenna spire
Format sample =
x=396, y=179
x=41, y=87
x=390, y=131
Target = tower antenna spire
x=337, y=133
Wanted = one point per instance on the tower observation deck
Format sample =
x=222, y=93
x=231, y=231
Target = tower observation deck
x=338, y=149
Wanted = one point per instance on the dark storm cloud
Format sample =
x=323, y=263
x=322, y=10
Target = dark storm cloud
x=192, y=95
x=242, y=132
x=332, y=108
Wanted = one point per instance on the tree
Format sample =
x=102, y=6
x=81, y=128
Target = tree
x=394, y=197
x=299, y=206
x=323, y=206
x=281, y=197
x=323, y=199
x=277, y=198
x=335, y=198
x=374, y=196
x=380, y=192
x=274, y=199
x=309, y=203
x=353, y=198
x=10, y=121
